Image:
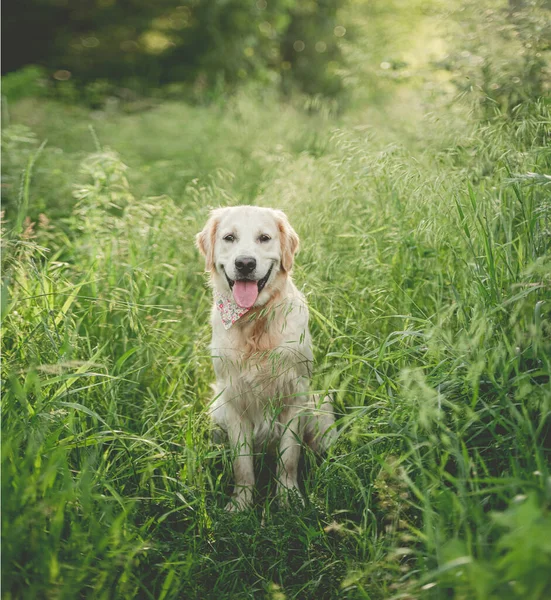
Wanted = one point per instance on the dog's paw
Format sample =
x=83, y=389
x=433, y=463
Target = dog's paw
x=218, y=436
x=288, y=497
x=240, y=501
x=324, y=441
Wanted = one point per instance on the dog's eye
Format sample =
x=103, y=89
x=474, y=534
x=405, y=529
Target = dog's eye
x=229, y=238
x=264, y=238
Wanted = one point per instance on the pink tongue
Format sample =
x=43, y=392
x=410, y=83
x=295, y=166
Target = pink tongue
x=245, y=293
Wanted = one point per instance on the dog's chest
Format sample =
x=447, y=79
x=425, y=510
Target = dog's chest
x=248, y=345
x=253, y=363
x=258, y=373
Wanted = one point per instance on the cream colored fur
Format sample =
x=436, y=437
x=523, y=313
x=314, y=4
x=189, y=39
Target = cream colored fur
x=263, y=362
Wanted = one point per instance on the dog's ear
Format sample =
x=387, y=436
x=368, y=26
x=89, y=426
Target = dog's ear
x=205, y=239
x=289, y=241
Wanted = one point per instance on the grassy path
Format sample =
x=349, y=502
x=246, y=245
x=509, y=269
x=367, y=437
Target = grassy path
x=425, y=259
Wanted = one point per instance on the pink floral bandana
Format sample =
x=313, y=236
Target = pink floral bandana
x=228, y=309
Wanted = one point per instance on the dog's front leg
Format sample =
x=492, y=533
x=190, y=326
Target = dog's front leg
x=241, y=443
x=289, y=455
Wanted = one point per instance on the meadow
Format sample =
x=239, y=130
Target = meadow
x=425, y=258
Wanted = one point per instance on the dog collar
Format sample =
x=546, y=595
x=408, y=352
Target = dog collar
x=229, y=311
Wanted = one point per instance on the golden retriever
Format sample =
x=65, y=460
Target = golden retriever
x=261, y=346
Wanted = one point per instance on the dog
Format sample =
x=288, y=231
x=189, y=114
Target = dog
x=261, y=347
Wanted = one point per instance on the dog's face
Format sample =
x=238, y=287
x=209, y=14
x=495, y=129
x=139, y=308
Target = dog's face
x=248, y=250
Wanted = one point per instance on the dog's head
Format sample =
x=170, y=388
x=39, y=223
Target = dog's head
x=248, y=250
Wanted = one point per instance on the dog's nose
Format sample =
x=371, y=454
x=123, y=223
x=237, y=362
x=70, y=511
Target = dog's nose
x=245, y=264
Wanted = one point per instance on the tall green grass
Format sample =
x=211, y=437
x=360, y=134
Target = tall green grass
x=427, y=268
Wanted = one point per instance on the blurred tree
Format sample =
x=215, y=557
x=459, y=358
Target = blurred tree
x=147, y=43
x=309, y=46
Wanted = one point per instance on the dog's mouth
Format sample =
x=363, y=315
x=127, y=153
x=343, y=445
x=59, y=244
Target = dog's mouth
x=246, y=291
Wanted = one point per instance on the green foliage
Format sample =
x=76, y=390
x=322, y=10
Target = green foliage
x=502, y=54
x=30, y=81
x=430, y=313
x=198, y=49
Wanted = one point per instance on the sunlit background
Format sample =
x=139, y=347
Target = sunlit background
x=95, y=50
